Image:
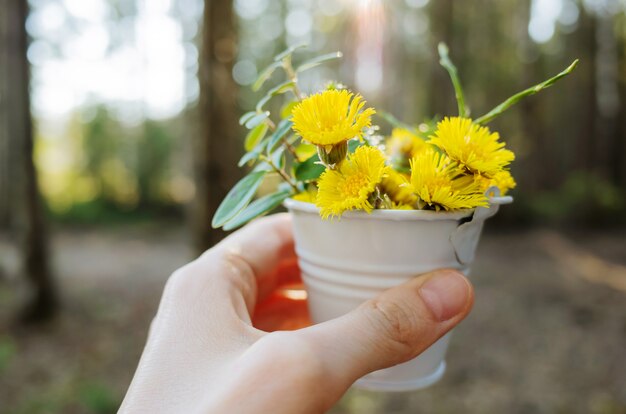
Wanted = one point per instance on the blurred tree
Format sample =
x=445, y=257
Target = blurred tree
x=442, y=13
x=216, y=147
x=153, y=162
x=6, y=144
x=619, y=151
x=19, y=186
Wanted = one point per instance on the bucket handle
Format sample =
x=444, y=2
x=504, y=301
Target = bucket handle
x=465, y=238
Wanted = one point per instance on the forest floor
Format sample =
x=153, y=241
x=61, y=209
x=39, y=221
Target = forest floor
x=547, y=333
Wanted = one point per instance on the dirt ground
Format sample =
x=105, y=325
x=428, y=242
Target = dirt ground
x=547, y=333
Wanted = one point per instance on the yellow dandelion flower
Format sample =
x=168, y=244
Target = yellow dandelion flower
x=503, y=180
x=440, y=185
x=350, y=186
x=398, y=189
x=473, y=147
x=331, y=117
x=402, y=207
x=404, y=144
x=307, y=196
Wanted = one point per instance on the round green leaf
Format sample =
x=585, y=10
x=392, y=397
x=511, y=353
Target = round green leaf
x=285, y=111
x=238, y=198
x=353, y=144
x=309, y=170
x=305, y=151
x=246, y=117
x=256, y=120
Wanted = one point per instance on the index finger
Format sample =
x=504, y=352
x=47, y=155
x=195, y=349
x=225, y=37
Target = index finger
x=254, y=256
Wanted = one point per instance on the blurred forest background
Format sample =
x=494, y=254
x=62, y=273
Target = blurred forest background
x=119, y=138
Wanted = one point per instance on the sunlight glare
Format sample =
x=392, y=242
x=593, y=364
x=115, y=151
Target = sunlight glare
x=544, y=15
x=90, y=10
x=369, y=51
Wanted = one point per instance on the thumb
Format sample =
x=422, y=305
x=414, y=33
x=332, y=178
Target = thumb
x=393, y=328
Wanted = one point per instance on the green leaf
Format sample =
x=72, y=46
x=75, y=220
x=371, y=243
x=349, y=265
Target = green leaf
x=246, y=117
x=498, y=110
x=353, y=144
x=278, y=158
x=305, y=151
x=318, y=61
x=253, y=154
x=289, y=51
x=247, y=157
x=257, y=208
x=278, y=90
x=309, y=170
x=283, y=186
x=257, y=119
x=265, y=75
x=263, y=166
x=282, y=88
x=262, y=102
x=283, y=127
x=255, y=136
x=285, y=111
x=237, y=198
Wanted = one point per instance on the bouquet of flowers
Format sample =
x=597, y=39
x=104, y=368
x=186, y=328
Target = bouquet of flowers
x=327, y=152
x=407, y=203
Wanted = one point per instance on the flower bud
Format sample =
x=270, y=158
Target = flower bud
x=332, y=155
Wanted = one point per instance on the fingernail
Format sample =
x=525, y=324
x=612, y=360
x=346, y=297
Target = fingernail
x=445, y=294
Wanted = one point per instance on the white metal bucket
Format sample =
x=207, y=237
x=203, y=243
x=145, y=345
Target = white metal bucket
x=346, y=261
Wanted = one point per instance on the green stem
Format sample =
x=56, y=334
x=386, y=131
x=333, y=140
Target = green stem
x=280, y=172
x=270, y=124
x=291, y=74
x=491, y=115
x=290, y=148
x=454, y=76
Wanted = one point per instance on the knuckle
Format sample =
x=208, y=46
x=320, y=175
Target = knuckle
x=240, y=274
x=214, y=266
x=179, y=281
x=177, y=289
x=399, y=325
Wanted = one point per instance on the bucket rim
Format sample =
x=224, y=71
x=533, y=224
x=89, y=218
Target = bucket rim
x=396, y=215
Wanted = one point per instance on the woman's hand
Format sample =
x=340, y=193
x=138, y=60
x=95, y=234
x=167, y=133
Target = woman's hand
x=210, y=349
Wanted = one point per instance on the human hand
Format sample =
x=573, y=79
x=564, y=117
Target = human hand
x=206, y=352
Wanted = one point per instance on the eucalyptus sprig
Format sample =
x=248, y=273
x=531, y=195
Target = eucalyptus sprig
x=444, y=60
x=464, y=111
x=341, y=140
x=498, y=110
x=271, y=146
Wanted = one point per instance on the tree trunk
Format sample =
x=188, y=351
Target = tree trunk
x=619, y=140
x=441, y=94
x=588, y=131
x=7, y=163
x=216, y=148
x=532, y=119
x=24, y=204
